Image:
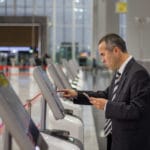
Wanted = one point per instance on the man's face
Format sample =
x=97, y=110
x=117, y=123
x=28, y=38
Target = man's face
x=109, y=58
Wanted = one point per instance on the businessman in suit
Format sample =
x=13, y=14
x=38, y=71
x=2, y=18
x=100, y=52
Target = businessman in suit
x=126, y=101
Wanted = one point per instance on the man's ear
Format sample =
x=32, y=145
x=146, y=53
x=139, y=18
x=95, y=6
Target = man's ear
x=116, y=50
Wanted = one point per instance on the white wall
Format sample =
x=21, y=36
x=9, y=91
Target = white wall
x=138, y=32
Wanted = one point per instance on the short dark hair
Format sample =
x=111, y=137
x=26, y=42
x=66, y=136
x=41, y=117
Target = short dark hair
x=113, y=40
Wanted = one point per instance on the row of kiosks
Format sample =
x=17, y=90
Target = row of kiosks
x=64, y=125
x=21, y=127
x=70, y=122
x=61, y=81
x=73, y=72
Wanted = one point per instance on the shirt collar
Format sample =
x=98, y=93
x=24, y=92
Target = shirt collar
x=121, y=69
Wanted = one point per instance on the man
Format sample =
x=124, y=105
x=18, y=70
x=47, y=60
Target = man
x=126, y=101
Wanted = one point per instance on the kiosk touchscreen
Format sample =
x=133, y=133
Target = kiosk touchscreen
x=69, y=71
x=58, y=76
x=54, y=70
x=49, y=93
x=55, y=76
x=63, y=76
x=17, y=120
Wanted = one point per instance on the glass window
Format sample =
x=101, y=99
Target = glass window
x=87, y=16
x=29, y=11
x=79, y=15
x=49, y=13
x=78, y=3
x=49, y=3
x=10, y=11
x=10, y=3
x=39, y=11
x=68, y=4
x=79, y=36
x=59, y=16
x=29, y=2
x=20, y=11
x=20, y=3
x=39, y=3
x=88, y=35
x=2, y=11
x=59, y=36
x=68, y=34
x=68, y=16
x=64, y=14
x=2, y=4
x=59, y=3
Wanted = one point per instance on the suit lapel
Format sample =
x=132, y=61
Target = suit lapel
x=122, y=81
x=124, y=77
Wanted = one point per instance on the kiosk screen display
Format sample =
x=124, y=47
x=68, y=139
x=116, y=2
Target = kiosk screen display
x=17, y=119
x=63, y=77
x=58, y=76
x=55, y=76
x=49, y=93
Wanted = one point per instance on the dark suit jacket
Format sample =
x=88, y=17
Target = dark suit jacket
x=130, y=111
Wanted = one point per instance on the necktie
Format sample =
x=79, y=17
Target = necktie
x=108, y=125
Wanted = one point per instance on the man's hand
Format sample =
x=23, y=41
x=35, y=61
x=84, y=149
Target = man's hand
x=99, y=103
x=68, y=93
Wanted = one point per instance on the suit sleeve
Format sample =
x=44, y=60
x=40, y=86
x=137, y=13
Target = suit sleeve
x=83, y=100
x=133, y=106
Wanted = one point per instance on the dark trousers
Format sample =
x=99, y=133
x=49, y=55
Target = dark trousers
x=109, y=141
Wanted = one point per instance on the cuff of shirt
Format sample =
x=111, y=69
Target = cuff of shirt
x=105, y=107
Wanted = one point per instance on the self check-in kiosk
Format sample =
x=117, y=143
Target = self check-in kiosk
x=71, y=74
x=61, y=82
x=67, y=122
x=17, y=120
x=73, y=68
x=61, y=76
x=22, y=128
x=74, y=63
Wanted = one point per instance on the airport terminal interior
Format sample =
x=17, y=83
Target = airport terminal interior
x=48, y=45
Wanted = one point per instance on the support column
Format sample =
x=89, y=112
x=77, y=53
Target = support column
x=105, y=20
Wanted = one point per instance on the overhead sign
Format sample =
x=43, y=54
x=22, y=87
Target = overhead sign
x=121, y=7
